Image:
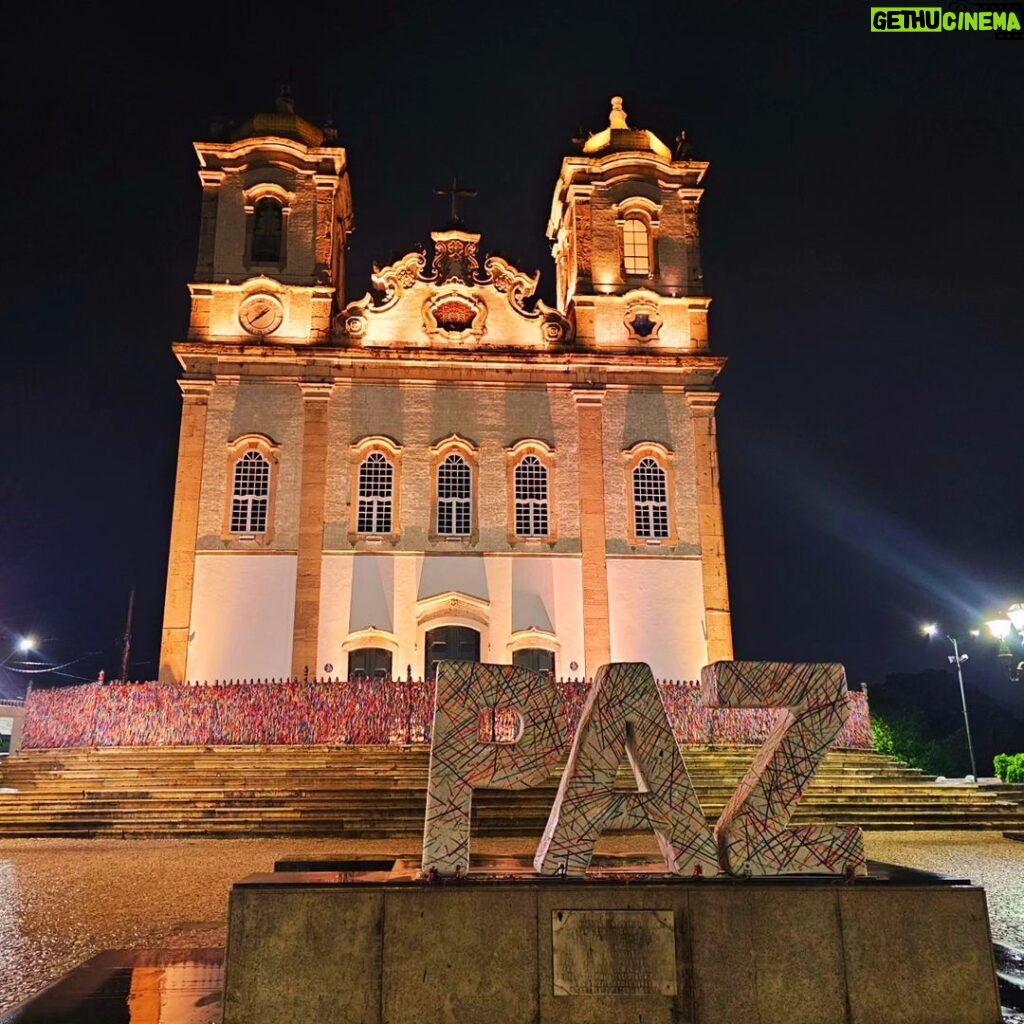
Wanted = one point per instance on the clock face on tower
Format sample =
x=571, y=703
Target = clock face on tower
x=261, y=314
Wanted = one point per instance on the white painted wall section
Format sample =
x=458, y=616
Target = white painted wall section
x=547, y=594
x=464, y=574
x=533, y=594
x=656, y=607
x=243, y=611
x=373, y=593
x=335, y=608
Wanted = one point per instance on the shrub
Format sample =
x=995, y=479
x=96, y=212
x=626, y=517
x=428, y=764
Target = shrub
x=1009, y=767
x=902, y=737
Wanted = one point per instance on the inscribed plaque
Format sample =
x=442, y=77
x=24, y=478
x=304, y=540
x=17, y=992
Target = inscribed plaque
x=613, y=952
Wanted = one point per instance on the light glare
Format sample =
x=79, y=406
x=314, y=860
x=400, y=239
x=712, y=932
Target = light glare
x=999, y=628
x=1016, y=616
x=930, y=628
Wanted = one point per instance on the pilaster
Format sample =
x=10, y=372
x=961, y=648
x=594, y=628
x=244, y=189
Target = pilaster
x=718, y=616
x=593, y=535
x=212, y=181
x=315, y=398
x=326, y=188
x=188, y=485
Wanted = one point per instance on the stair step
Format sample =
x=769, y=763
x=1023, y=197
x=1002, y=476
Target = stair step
x=381, y=791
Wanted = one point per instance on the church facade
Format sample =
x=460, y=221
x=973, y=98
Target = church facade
x=447, y=467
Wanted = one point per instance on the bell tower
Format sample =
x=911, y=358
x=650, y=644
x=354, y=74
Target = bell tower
x=626, y=245
x=276, y=210
x=625, y=238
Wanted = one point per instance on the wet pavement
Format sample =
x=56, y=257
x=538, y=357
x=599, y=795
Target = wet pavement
x=65, y=901
x=133, y=987
x=985, y=858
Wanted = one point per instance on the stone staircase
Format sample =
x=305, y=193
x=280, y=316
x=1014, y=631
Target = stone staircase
x=1012, y=792
x=379, y=792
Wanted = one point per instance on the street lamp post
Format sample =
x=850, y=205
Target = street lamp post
x=956, y=658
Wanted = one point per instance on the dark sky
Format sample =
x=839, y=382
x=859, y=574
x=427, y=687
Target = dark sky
x=862, y=232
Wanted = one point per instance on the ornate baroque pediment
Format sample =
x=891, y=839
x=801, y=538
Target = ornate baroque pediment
x=454, y=304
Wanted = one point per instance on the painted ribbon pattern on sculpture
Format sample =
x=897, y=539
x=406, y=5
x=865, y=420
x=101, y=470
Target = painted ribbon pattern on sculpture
x=625, y=721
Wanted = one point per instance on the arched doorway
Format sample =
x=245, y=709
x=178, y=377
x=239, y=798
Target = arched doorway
x=369, y=663
x=449, y=643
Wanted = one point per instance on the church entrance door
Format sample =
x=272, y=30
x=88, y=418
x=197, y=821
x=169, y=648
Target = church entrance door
x=450, y=643
x=369, y=663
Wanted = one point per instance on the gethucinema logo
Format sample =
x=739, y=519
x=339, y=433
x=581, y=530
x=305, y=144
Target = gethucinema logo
x=1002, y=19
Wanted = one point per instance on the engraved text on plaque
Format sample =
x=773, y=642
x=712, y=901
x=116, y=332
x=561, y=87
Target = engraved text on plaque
x=613, y=952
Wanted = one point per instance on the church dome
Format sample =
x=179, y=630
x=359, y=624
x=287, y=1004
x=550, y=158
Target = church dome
x=283, y=123
x=619, y=137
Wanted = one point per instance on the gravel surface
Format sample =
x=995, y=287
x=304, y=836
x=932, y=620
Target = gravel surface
x=62, y=901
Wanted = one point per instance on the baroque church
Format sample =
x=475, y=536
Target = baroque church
x=446, y=468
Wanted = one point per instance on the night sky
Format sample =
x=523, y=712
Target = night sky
x=862, y=236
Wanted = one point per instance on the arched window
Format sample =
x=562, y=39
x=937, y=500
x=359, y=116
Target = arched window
x=636, y=247
x=650, y=501
x=250, y=494
x=266, y=231
x=531, y=488
x=454, y=497
x=376, y=486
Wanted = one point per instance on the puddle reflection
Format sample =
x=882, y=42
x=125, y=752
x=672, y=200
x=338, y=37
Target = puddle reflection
x=165, y=986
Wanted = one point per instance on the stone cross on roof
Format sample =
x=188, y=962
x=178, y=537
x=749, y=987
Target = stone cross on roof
x=456, y=192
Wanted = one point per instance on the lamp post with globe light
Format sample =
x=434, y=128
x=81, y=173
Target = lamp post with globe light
x=1000, y=627
x=958, y=659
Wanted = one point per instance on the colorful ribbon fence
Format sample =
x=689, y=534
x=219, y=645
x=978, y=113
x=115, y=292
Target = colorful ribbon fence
x=335, y=712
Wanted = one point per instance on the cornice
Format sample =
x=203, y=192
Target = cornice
x=663, y=300
x=340, y=362
x=234, y=156
x=258, y=282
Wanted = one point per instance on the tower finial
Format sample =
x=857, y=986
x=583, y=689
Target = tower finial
x=617, y=118
x=285, y=103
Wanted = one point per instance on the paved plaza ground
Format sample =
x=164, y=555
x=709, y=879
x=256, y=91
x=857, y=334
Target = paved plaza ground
x=62, y=901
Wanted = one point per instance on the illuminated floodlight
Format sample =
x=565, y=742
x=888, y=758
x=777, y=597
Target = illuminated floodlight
x=999, y=628
x=930, y=628
x=1015, y=613
x=975, y=632
x=26, y=644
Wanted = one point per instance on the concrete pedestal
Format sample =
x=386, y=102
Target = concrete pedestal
x=369, y=949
